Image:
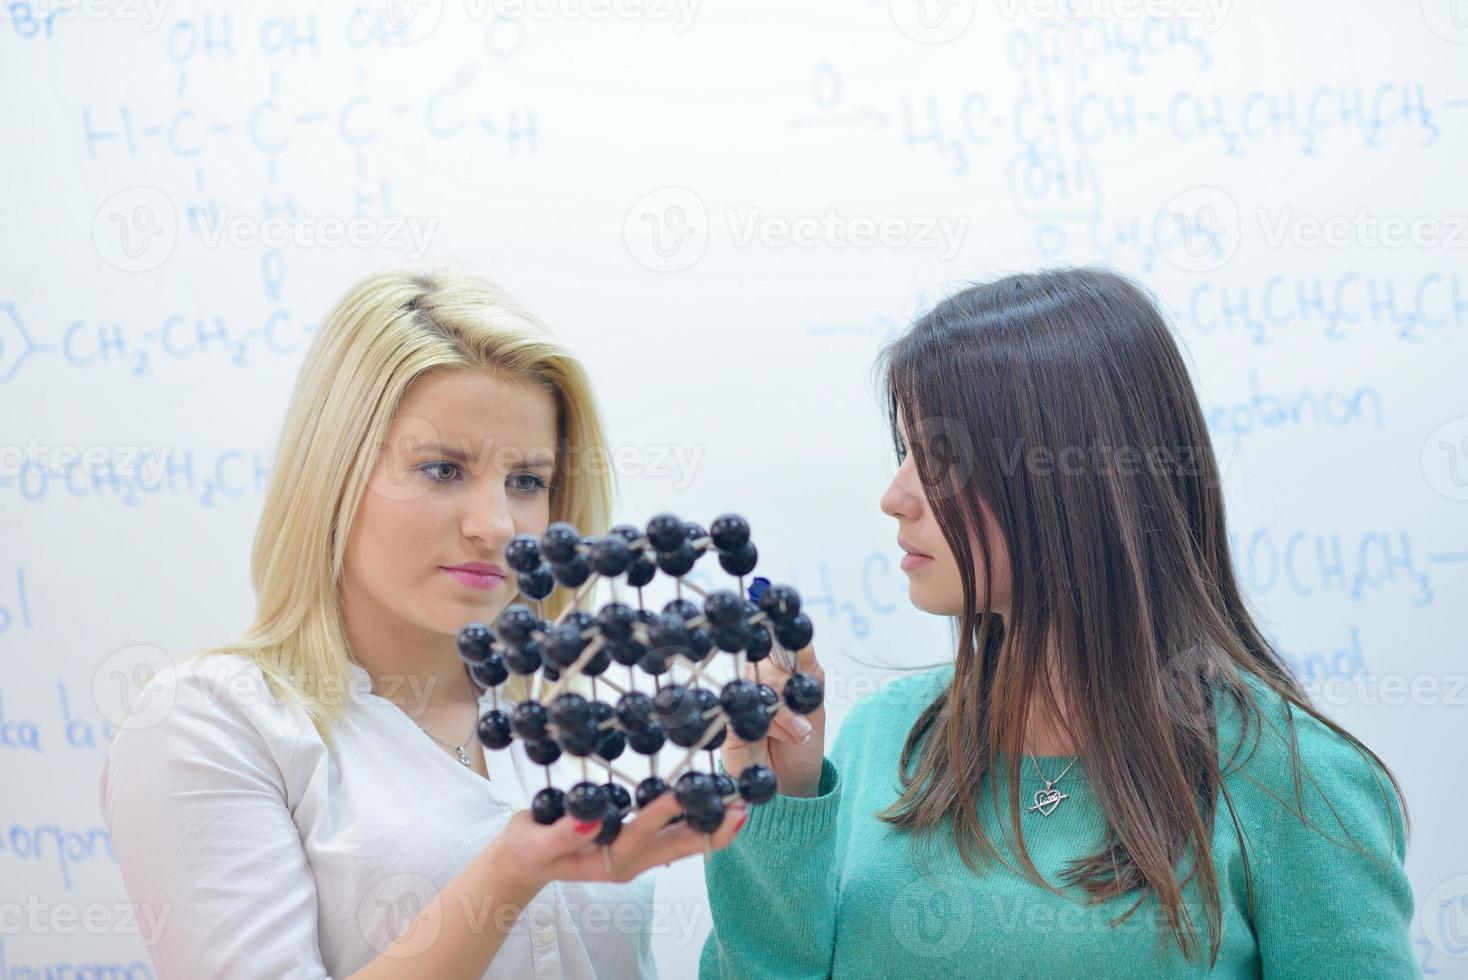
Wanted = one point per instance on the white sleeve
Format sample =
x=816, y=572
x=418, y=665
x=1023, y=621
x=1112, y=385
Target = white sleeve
x=195, y=805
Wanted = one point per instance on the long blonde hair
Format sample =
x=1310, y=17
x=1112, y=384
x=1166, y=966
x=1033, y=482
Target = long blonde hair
x=387, y=331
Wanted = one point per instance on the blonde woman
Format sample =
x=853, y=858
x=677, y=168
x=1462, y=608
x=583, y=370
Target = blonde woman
x=312, y=801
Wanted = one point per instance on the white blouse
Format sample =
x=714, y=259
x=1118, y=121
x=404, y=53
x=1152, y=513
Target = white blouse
x=250, y=850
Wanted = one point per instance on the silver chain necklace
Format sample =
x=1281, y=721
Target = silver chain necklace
x=456, y=749
x=459, y=749
x=1047, y=799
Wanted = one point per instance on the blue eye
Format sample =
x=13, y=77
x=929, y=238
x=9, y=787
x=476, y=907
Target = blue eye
x=428, y=468
x=529, y=483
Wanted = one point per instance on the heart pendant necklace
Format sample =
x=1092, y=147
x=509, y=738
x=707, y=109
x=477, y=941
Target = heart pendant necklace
x=1047, y=799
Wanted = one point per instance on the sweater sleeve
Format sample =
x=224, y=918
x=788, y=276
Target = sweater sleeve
x=1333, y=899
x=195, y=808
x=772, y=892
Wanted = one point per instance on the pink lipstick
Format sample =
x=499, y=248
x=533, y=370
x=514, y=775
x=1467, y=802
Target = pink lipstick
x=476, y=574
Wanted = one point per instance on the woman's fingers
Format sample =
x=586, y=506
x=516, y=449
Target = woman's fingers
x=682, y=841
x=563, y=837
x=766, y=672
x=773, y=670
x=649, y=839
x=806, y=661
x=634, y=851
x=787, y=726
x=642, y=828
x=623, y=855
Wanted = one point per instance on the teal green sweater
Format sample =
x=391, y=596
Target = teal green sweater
x=818, y=887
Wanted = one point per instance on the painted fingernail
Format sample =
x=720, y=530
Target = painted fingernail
x=742, y=817
x=586, y=826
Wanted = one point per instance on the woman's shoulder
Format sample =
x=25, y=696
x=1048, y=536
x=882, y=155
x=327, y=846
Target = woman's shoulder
x=219, y=692
x=205, y=721
x=882, y=711
x=212, y=670
x=1279, y=759
x=897, y=701
x=1269, y=730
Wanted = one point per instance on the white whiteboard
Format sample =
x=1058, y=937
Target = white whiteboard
x=725, y=208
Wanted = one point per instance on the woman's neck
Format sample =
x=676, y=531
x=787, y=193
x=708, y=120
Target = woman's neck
x=1046, y=737
x=1048, y=728
x=416, y=669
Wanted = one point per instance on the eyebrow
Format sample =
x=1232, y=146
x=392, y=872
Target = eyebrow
x=436, y=449
x=540, y=461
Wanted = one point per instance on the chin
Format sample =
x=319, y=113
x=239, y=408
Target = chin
x=460, y=613
x=933, y=605
x=486, y=604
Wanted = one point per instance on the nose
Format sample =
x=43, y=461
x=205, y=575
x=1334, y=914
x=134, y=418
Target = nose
x=898, y=500
x=487, y=518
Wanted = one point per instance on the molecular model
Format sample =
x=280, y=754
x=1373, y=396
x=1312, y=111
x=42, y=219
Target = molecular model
x=683, y=639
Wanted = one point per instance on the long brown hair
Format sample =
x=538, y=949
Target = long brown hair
x=1032, y=394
